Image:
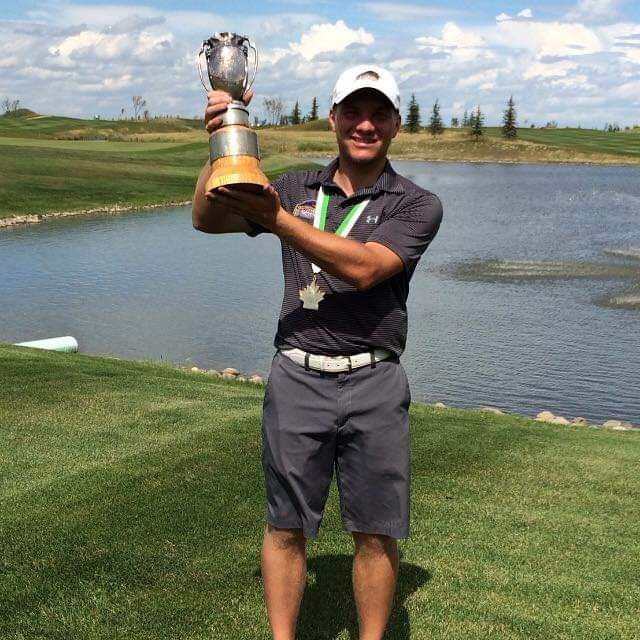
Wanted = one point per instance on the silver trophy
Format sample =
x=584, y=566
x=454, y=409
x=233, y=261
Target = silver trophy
x=233, y=148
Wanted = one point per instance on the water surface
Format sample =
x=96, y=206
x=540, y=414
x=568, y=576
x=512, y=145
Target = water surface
x=147, y=286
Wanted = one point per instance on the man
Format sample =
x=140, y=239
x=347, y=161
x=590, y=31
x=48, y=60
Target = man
x=337, y=394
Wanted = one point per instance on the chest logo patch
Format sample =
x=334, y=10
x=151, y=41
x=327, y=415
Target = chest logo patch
x=305, y=210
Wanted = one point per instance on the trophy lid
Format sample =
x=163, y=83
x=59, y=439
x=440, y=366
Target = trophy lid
x=228, y=38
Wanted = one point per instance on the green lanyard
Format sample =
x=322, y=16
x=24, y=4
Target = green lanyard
x=320, y=218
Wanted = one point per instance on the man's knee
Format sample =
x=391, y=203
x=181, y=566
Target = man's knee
x=285, y=538
x=373, y=544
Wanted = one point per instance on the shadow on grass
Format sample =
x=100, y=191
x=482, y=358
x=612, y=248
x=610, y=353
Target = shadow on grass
x=328, y=606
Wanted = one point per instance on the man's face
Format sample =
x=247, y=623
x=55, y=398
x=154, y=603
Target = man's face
x=364, y=123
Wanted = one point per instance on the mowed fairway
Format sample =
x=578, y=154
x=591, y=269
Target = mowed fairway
x=131, y=506
x=40, y=176
x=620, y=143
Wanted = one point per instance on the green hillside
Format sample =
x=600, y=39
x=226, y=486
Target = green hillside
x=26, y=124
x=132, y=506
x=587, y=140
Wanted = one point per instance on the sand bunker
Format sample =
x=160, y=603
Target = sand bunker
x=510, y=270
x=633, y=253
x=628, y=299
x=493, y=270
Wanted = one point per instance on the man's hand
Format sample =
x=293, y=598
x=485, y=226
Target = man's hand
x=217, y=103
x=261, y=207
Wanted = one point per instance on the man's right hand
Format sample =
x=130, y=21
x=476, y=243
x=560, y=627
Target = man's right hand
x=217, y=103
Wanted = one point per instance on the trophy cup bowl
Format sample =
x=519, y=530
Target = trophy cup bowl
x=233, y=148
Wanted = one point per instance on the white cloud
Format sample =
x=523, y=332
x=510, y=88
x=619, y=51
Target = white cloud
x=623, y=38
x=327, y=37
x=104, y=46
x=121, y=82
x=546, y=38
x=553, y=70
x=594, y=10
x=483, y=78
x=451, y=37
x=575, y=81
x=85, y=59
x=9, y=61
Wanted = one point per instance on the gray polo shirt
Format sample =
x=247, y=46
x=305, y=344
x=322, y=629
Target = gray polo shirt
x=401, y=216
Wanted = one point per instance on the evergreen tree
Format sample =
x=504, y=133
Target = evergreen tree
x=313, y=114
x=509, y=120
x=478, y=121
x=413, y=115
x=294, y=118
x=471, y=120
x=465, y=119
x=435, y=123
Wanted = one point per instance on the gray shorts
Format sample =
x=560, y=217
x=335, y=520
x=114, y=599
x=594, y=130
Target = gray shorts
x=357, y=422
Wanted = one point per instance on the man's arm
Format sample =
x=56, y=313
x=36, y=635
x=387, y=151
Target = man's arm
x=362, y=265
x=208, y=216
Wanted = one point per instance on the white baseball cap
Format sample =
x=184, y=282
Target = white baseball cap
x=366, y=76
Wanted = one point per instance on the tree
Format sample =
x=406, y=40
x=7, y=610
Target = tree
x=465, y=119
x=455, y=123
x=313, y=114
x=295, y=114
x=435, y=123
x=273, y=107
x=138, y=105
x=413, y=115
x=509, y=120
x=478, y=121
x=10, y=105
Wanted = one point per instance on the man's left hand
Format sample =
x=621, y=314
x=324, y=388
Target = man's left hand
x=259, y=207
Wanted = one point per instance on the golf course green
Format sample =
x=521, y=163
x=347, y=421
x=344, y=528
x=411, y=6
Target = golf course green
x=131, y=506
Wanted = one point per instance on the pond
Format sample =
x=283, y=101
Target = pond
x=491, y=321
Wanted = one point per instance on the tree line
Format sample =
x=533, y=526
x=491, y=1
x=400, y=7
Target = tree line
x=10, y=105
x=473, y=121
x=274, y=108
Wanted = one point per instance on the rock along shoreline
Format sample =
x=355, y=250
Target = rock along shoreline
x=231, y=373
x=31, y=218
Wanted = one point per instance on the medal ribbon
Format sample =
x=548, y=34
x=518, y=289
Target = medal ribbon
x=320, y=218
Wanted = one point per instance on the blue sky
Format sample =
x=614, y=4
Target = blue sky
x=575, y=62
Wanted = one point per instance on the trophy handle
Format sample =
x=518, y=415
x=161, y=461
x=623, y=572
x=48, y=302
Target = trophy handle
x=255, y=64
x=200, y=65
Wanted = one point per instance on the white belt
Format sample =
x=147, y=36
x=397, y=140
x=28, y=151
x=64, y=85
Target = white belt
x=335, y=364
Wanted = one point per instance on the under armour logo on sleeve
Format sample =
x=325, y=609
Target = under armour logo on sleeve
x=372, y=219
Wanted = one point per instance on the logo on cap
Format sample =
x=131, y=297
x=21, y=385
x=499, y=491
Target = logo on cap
x=368, y=75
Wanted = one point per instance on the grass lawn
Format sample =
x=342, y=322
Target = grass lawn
x=39, y=176
x=52, y=163
x=131, y=506
x=625, y=143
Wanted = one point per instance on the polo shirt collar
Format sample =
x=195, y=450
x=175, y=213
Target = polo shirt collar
x=387, y=181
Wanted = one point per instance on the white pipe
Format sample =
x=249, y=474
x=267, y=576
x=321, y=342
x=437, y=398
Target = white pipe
x=68, y=344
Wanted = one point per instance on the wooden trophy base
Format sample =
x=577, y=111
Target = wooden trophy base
x=239, y=172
